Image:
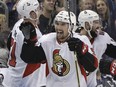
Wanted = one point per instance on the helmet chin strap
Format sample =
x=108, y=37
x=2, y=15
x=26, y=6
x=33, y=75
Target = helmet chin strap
x=89, y=30
x=89, y=34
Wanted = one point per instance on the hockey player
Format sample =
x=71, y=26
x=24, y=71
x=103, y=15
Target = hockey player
x=20, y=73
x=90, y=25
x=66, y=54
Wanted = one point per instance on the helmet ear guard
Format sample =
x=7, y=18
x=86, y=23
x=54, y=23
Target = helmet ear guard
x=24, y=7
x=63, y=16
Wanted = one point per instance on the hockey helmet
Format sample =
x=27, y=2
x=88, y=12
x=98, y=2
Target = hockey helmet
x=87, y=16
x=64, y=16
x=24, y=7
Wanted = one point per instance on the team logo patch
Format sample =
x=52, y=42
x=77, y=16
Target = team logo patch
x=61, y=66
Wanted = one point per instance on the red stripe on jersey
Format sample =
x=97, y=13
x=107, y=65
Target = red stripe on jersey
x=83, y=71
x=34, y=38
x=47, y=69
x=30, y=69
x=92, y=40
x=12, y=62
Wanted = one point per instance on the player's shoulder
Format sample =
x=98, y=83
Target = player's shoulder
x=78, y=35
x=18, y=23
x=16, y=31
x=105, y=36
x=83, y=38
x=48, y=37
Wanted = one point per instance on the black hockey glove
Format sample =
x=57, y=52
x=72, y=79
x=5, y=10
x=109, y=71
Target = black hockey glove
x=29, y=32
x=108, y=67
x=77, y=45
x=85, y=58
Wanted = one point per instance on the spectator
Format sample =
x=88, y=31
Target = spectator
x=49, y=10
x=2, y=8
x=3, y=55
x=102, y=8
x=86, y=5
x=3, y=50
x=3, y=23
x=13, y=15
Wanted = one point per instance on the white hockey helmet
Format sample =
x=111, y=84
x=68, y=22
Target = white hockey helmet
x=64, y=16
x=87, y=16
x=24, y=7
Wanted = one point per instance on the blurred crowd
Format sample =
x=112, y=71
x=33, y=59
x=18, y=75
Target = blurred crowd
x=105, y=8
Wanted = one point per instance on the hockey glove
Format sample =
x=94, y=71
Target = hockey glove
x=29, y=32
x=85, y=58
x=108, y=67
x=77, y=45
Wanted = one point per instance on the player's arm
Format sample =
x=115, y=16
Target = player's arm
x=111, y=50
x=30, y=52
x=85, y=58
x=108, y=67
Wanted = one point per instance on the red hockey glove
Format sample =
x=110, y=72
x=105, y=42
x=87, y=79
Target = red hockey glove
x=108, y=67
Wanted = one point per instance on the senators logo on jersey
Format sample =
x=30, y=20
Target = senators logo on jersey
x=60, y=67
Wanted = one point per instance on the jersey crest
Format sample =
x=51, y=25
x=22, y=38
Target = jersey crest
x=61, y=66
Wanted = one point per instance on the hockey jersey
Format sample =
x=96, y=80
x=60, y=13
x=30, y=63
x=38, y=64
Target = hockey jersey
x=64, y=69
x=19, y=73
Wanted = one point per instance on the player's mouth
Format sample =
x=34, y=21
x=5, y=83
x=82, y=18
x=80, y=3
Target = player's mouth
x=98, y=29
x=59, y=32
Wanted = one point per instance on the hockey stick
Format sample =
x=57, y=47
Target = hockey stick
x=75, y=55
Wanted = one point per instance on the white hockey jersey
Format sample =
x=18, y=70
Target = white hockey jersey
x=19, y=73
x=64, y=70
x=99, y=46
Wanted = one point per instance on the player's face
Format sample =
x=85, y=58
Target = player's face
x=62, y=30
x=96, y=26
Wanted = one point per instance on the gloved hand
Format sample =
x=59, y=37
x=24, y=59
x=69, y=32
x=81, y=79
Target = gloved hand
x=108, y=67
x=77, y=45
x=28, y=31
